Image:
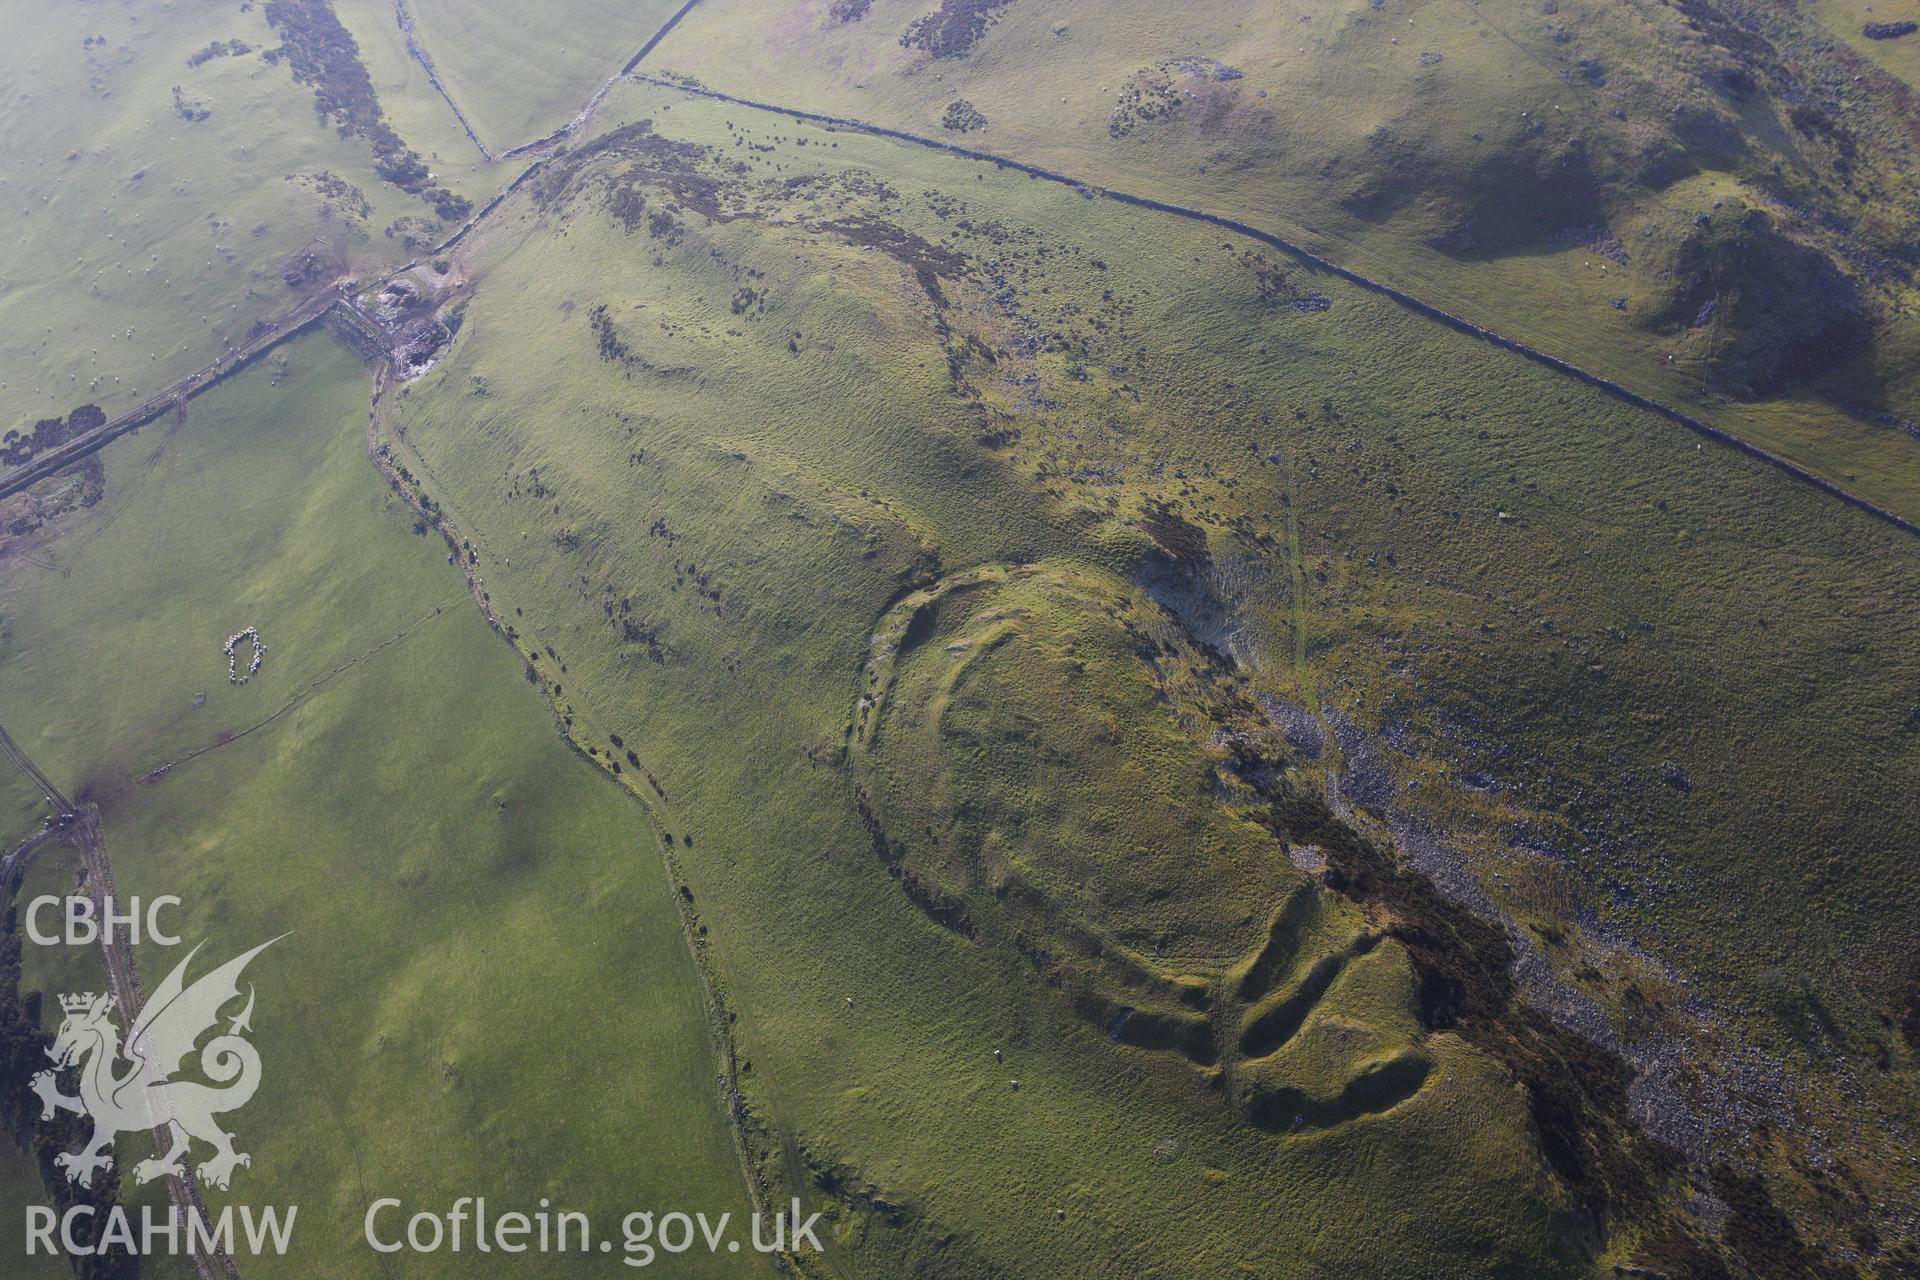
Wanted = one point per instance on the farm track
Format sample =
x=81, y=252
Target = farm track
x=80, y=828
x=85, y=827
x=1311, y=259
x=586, y=112
x=311, y=311
x=19, y=856
x=173, y=398
x=31, y=771
x=419, y=54
x=314, y=686
x=211, y=1263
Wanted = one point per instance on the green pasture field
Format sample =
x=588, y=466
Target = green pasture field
x=142, y=244
x=1438, y=146
x=700, y=460
x=1845, y=18
x=22, y=808
x=809, y=490
x=1042, y=653
x=519, y=75
x=414, y=108
x=483, y=984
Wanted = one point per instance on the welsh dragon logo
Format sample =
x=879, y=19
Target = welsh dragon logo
x=130, y=1089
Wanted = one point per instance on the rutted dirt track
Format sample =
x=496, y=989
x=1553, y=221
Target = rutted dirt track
x=80, y=829
x=162, y=770
x=211, y=1263
x=276, y=332
x=312, y=310
x=41, y=783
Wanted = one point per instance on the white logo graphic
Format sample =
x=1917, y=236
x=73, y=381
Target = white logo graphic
x=145, y=1095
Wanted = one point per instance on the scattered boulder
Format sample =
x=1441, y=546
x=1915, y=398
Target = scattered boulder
x=1299, y=726
x=963, y=117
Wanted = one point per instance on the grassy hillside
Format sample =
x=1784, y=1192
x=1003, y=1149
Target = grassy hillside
x=1051, y=730
x=414, y=106
x=485, y=983
x=1706, y=202
x=518, y=80
x=22, y=810
x=1893, y=52
x=151, y=229
x=753, y=427
x=709, y=565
